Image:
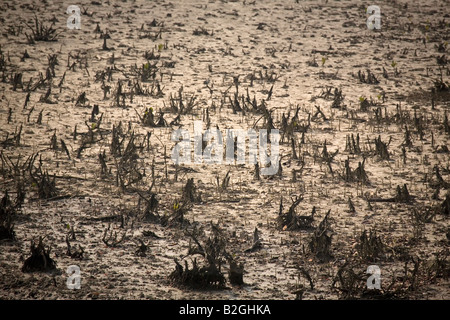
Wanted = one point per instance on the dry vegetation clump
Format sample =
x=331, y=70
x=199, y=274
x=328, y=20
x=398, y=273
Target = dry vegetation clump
x=370, y=247
x=7, y=212
x=214, y=254
x=41, y=32
x=40, y=258
x=290, y=220
x=190, y=192
x=349, y=282
x=320, y=243
x=176, y=215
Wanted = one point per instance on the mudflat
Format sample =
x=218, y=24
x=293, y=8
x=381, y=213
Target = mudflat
x=87, y=117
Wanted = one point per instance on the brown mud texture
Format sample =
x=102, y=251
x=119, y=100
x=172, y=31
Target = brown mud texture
x=88, y=118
